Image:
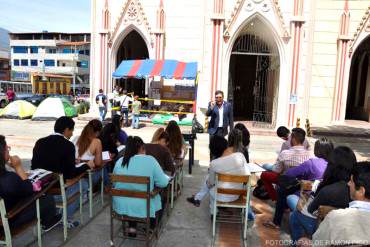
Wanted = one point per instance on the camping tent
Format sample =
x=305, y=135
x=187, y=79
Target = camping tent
x=20, y=109
x=54, y=107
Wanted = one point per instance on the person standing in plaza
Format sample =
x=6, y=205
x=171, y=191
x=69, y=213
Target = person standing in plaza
x=136, y=106
x=101, y=100
x=221, y=114
x=125, y=100
x=10, y=94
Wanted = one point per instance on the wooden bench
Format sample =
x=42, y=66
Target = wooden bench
x=6, y=237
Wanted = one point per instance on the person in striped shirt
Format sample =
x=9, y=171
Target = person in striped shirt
x=292, y=157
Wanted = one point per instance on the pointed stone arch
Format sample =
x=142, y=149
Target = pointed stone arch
x=132, y=13
x=263, y=6
x=362, y=32
x=277, y=46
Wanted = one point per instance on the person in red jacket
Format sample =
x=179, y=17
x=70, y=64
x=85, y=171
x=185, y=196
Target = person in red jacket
x=10, y=94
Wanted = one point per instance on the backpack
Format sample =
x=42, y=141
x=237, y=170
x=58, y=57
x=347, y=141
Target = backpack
x=197, y=127
x=260, y=191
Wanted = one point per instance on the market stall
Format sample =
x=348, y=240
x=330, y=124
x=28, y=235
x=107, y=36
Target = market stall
x=167, y=69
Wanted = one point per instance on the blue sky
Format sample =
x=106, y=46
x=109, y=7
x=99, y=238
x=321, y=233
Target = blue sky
x=50, y=15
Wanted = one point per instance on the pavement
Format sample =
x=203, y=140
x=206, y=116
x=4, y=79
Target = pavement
x=186, y=225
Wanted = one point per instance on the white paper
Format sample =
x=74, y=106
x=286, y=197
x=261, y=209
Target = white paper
x=105, y=155
x=120, y=148
x=80, y=164
x=254, y=168
x=157, y=102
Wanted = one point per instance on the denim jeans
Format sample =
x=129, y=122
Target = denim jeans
x=300, y=224
x=135, y=121
x=124, y=112
x=72, y=207
x=102, y=112
x=268, y=167
x=292, y=201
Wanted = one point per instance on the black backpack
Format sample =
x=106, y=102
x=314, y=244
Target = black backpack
x=260, y=191
x=197, y=127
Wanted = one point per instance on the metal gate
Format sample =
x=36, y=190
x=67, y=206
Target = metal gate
x=265, y=88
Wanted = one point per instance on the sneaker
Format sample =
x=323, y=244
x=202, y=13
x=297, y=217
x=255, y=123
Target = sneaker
x=56, y=221
x=72, y=224
x=193, y=201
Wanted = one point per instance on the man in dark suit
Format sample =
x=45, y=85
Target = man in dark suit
x=57, y=154
x=221, y=113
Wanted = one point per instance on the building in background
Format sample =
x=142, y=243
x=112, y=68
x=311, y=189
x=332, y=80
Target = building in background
x=54, y=62
x=275, y=60
x=4, y=55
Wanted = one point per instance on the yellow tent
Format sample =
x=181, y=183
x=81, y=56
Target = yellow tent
x=19, y=109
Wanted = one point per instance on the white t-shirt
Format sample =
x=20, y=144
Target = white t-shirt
x=221, y=116
x=232, y=164
x=125, y=99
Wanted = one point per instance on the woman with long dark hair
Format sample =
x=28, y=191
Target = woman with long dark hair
x=177, y=143
x=332, y=191
x=136, y=163
x=121, y=135
x=15, y=187
x=109, y=139
x=245, y=139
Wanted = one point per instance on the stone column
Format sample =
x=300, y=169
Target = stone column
x=343, y=39
x=297, y=23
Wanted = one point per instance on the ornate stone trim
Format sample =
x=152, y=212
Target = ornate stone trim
x=132, y=13
x=364, y=26
x=250, y=6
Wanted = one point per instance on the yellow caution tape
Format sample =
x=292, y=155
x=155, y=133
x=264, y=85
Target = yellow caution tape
x=168, y=100
x=171, y=112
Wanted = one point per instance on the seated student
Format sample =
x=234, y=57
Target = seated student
x=217, y=146
x=332, y=191
x=57, y=154
x=122, y=136
x=136, y=163
x=312, y=169
x=157, y=134
x=284, y=133
x=349, y=226
x=296, y=155
x=232, y=163
x=15, y=187
x=176, y=145
x=109, y=139
x=89, y=147
x=245, y=139
x=160, y=152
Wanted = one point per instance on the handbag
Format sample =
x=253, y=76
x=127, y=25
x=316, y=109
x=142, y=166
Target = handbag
x=289, y=184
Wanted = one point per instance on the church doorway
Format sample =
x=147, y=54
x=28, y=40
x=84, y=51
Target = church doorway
x=358, y=98
x=132, y=47
x=254, y=75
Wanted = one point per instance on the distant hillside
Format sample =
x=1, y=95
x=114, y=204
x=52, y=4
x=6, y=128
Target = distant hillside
x=4, y=39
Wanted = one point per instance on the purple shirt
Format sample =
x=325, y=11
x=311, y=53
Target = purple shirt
x=311, y=169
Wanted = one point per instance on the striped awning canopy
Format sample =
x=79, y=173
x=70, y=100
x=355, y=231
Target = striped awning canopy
x=169, y=69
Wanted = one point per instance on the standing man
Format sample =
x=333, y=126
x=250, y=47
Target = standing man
x=101, y=100
x=125, y=100
x=221, y=113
